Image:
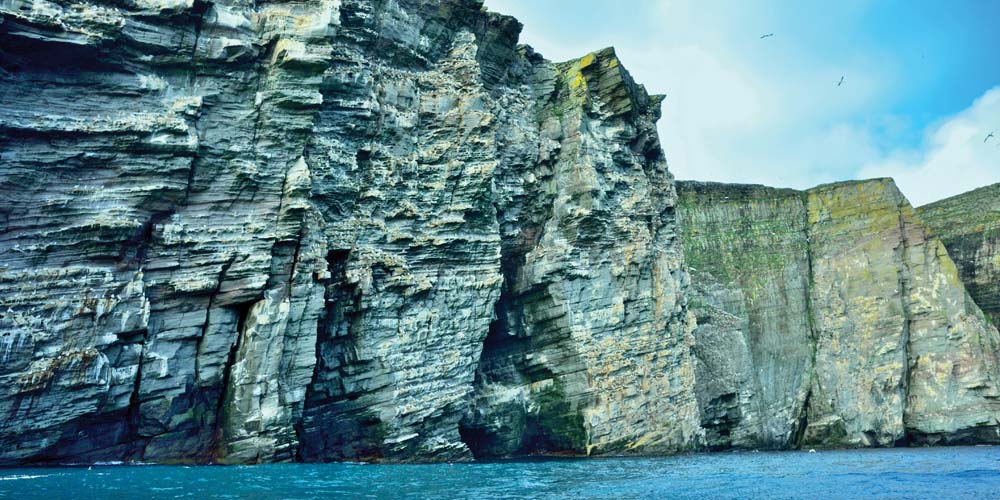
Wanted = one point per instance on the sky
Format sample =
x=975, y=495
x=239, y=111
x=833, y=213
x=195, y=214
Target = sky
x=921, y=87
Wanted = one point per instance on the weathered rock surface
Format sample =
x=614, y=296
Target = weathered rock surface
x=969, y=227
x=241, y=232
x=591, y=320
x=749, y=258
x=876, y=341
x=381, y=230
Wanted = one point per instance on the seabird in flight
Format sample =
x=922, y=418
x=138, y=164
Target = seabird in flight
x=766, y=36
x=988, y=137
x=841, y=82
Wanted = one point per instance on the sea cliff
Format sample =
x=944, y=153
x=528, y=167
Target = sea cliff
x=354, y=230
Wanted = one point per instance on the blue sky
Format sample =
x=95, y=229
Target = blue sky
x=921, y=85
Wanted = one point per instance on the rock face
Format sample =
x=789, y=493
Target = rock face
x=969, y=227
x=591, y=319
x=831, y=317
x=238, y=232
x=749, y=258
x=381, y=230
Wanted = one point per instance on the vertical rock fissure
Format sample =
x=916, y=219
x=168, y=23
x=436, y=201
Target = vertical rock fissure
x=904, y=295
x=218, y=450
x=135, y=441
x=322, y=433
x=198, y=8
x=208, y=314
x=261, y=73
x=803, y=420
x=802, y=423
x=135, y=450
x=474, y=430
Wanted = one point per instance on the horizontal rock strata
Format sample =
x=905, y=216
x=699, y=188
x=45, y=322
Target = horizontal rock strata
x=323, y=230
x=259, y=232
x=591, y=320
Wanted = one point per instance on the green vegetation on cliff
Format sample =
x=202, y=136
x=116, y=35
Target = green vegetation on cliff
x=879, y=345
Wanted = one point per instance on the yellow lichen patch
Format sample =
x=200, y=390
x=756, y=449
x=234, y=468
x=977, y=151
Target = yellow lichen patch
x=948, y=268
x=304, y=21
x=814, y=207
x=587, y=60
x=642, y=441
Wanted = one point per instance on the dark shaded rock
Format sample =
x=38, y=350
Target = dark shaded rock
x=969, y=227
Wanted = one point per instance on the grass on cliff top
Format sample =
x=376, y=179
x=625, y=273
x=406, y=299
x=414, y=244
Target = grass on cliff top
x=976, y=211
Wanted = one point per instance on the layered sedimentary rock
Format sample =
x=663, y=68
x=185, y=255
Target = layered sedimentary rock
x=969, y=227
x=381, y=230
x=243, y=232
x=835, y=318
x=591, y=320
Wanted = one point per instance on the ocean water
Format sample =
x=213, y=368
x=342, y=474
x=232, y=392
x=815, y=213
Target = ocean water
x=902, y=473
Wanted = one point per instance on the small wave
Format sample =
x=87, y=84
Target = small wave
x=973, y=473
x=104, y=463
x=23, y=476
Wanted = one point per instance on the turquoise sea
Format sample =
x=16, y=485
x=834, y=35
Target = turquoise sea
x=900, y=473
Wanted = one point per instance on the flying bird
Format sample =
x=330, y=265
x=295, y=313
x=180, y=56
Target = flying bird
x=841, y=82
x=766, y=36
x=988, y=137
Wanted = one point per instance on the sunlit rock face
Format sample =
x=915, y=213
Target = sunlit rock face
x=238, y=232
x=832, y=317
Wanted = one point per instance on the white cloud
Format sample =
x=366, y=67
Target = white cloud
x=743, y=109
x=953, y=158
